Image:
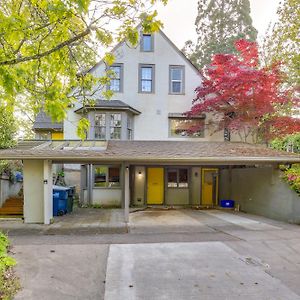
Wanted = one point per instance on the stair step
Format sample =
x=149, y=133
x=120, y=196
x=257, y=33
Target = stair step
x=11, y=212
x=12, y=206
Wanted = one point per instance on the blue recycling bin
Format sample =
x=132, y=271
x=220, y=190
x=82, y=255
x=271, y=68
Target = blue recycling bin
x=60, y=200
x=227, y=203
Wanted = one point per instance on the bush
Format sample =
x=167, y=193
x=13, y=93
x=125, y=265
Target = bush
x=290, y=143
x=9, y=283
x=292, y=177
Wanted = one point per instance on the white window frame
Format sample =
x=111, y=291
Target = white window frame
x=184, y=118
x=100, y=126
x=113, y=126
x=142, y=42
x=152, y=67
x=120, y=79
x=182, y=80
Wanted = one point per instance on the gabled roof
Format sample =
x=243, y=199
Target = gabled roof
x=109, y=105
x=150, y=152
x=168, y=40
x=44, y=122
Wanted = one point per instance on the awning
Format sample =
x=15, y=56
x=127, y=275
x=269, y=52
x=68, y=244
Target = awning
x=189, y=152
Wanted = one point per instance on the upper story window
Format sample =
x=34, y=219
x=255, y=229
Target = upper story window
x=115, y=126
x=146, y=79
x=184, y=127
x=100, y=126
x=147, y=43
x=129, y=128
x=177, y=79
x=116, y=81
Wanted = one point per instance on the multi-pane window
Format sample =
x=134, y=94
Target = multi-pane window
x=100, y=126
x=147, y=43
x=178, y=178
x=129, y=128
x=183, y=127
x=146, y=84
x=107, y=176
x=115, y=126
x=116, y=78
x=43, y=136
x=176, y=79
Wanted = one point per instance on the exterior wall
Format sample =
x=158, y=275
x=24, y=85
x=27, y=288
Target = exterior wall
x=154, y=107
x=138, y=191
x=33, y=191
x=177, y=196
x=38, y=193
x=196, y=186
x=107, y=197
x=261, y=191
x=72, y=176
x=173, y=196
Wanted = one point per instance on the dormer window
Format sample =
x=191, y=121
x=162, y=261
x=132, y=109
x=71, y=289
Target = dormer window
x=147, y=43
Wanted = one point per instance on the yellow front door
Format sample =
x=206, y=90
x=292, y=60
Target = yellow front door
x=209, y=187
x=57, y=135
x=155, y=186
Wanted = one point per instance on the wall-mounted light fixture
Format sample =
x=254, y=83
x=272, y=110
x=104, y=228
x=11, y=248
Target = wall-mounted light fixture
x=140, y=172
x=196, y=174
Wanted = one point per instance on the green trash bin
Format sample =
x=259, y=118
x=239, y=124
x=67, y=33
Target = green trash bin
x=70, y=204
x=71, y=197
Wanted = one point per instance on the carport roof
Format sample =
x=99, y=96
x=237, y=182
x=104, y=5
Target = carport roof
x=148, y=152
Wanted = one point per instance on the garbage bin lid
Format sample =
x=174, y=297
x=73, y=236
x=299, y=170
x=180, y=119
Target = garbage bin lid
x=60, y=188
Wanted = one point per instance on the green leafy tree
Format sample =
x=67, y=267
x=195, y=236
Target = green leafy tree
x=283, y=43
x=7, y=127
x=46, y=46
x=219, y=23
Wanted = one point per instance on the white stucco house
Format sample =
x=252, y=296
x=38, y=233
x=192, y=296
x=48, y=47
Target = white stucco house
x=139, y=149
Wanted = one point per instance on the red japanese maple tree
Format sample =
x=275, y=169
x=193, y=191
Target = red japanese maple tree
x=246, y=98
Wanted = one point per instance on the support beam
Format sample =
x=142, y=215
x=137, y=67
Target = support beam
x=90, y=183
x=127, y=193
x=48, y=192
x=33, y=191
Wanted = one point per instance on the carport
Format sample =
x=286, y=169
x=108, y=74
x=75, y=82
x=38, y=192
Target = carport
x=134, y=157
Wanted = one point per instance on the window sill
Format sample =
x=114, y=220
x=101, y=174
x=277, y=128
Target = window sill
x=176, y=94
x=177, y=188
x=147, y=93
x=107, y=188
x=186, y=137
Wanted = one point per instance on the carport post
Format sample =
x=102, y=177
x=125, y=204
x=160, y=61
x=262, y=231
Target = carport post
x=127, y=193
x=48, y=192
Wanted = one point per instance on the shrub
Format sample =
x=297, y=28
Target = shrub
x=292, y=177
x=9, y=283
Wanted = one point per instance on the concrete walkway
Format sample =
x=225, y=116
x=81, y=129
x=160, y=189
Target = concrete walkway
x=80, y=221
x=177, y=254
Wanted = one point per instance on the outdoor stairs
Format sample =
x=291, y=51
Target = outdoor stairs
x=12, y=206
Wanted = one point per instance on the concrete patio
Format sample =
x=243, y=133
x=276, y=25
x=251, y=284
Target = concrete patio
x=80, y=221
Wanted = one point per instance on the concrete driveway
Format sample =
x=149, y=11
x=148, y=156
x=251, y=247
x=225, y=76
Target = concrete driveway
x=177, y=254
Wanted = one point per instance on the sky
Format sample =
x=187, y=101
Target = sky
x=179, y=18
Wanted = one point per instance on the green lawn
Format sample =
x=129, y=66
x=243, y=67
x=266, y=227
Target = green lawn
x=9, y=283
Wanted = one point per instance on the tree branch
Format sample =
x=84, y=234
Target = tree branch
x=48, y=52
